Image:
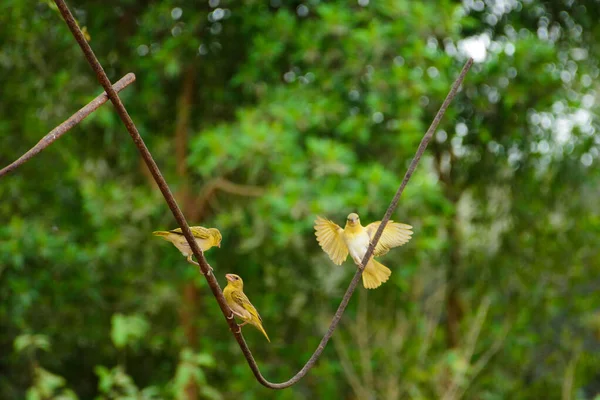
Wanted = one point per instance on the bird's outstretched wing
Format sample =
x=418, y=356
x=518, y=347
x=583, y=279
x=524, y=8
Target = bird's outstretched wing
x=199, y=232
x=329, y=236
x=394, y=234
x=240, y=298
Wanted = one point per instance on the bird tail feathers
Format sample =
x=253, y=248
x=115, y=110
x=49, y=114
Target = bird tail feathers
x=161, y=233
x=260, y=328
x=375, y=274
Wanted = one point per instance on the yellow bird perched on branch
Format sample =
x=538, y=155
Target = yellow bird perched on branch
x=239, y=303
x=205, y=237
x=355, y=239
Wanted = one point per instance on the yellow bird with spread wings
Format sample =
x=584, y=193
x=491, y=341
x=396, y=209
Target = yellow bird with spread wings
x=355, y=239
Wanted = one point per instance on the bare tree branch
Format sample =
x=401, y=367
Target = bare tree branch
x=67, y=125
x=209, y=190
x=204, y=267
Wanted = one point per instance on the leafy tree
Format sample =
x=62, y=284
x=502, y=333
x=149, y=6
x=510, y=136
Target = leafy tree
x=262, y=115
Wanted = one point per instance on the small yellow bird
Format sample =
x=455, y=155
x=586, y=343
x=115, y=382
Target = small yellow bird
x=355, y=239
x=239, y=303
x=205, y=237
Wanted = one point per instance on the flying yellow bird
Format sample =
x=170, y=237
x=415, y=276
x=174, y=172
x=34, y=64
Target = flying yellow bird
x=355, y=239
x=205, y=237
x=239, y=303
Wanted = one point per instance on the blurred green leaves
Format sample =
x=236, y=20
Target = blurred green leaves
x=128, y=330
x=318, y=108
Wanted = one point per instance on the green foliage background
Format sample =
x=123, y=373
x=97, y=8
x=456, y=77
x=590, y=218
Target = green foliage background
x=261, y=116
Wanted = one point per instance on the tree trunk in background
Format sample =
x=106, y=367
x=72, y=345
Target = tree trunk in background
x=454, y=310
x=191, y=295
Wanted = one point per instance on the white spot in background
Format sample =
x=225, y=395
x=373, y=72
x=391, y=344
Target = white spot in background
x=142, y=50
x=354, y=95
x=586, y=159
x=514, y=156
x=302, y=10
x=491, y=19
x=558, y=107
x=509, y=49
x=579, y=54
x=432, y=72
x=377, y=117
x=363, y=3
x=216, y=28
x=493, y=147
x=461, y=129
x=202, y=50
x=543, y=147
x=176, y=13
x=213, y=3
x=441, y=136
x=493, y=95
x=399, y=61
x=586, y=80
x=546, y=121
x=475, y=47
x=218, y=14
x=456, y=141
x=478, y=5
x=588, y=101
x=432, y=43
x=176, y=31
x=289, y=76
x=449, y=47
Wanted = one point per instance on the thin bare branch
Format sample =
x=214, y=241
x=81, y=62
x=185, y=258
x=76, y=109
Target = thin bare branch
x=67, y=125
x=238, y=189
x=204, y=267
x=225, y=185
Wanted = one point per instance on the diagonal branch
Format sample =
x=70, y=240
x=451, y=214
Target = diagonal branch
x=204, y=267
x=63, y=128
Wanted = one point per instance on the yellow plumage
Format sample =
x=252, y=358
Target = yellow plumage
x=239, y=303
x=205, y=237
x=354, y=239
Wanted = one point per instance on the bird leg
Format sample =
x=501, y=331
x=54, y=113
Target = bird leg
x=240, y=326
x=231, y=316
x=191, y=261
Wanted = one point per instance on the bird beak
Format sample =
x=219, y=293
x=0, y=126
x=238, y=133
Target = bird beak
x=229, y=277
x=219, y=245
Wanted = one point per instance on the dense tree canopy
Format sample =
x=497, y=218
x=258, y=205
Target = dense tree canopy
x=263, y=115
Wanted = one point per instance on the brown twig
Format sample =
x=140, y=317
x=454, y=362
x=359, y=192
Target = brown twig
x=204, y=267
x=67, y=125
x=212, y=186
